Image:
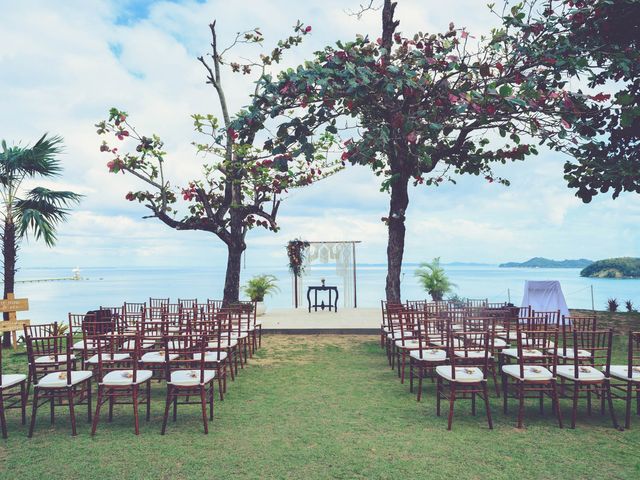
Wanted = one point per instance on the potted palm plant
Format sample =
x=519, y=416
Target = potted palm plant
x=258, y=287
x=434, y=279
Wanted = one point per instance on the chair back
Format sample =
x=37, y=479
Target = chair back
x=633, y=354
x=158, y=302
x=109, y=345
x=188, y=303
x=179, y=353
x=51, y=352
x=597, y=344
x=42, y=330
x=472, y=349
x=538, y=347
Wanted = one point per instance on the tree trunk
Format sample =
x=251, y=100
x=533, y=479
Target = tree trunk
x=9, y=253
x=395, y=246
x=232, y=278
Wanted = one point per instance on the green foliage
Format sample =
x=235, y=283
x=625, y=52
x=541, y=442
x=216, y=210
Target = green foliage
x=38, y=210
x=629, y=306
x=597, y=41
x=261, y=285
x=433, y=279
x=623, y=267
x=612, y=305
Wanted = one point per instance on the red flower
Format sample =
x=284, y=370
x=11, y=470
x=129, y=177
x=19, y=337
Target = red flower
x=232, y=133
x=412, y=137
x=308, y=29
x=130, y=196
x=500, y=67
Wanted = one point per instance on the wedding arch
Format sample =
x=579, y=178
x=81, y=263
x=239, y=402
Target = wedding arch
x=302, y=253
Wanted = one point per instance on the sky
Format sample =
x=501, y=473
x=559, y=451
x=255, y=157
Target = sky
x=64, y=63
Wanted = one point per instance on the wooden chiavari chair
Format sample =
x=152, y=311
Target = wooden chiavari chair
x=188, y=377
x=119, y=377
x=209, y=327
x=626, y=378
x=42, y=331
x=158, y=302
x=588, y=374
x=63, y=383
x=466, y=375
x=152, y=334
x=427, y=356
x=534, y=373
x=405, y=340
x=13, y=394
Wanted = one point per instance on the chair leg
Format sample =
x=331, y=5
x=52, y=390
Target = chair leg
x=110, y=409
x=166, y=409
x=203, y=402
x=438, y=395
x=220, y=388
x=411, y=375
x=505, y=389
x=89, y=411
x=404, y=361
x=211, y=400
x=614, y=420
x=452, y=401
x=520, y=404
x=175, y=407
x=34, y=410
x=148, y=400
x=72, y=413
x=485, y=394
x=556, y=402
x=420, y=375
x=52, y=411
x=24, y=393
x=96, y=416
x=3, y=420
x=574, y=412
x=136, y=421
x=627, y=418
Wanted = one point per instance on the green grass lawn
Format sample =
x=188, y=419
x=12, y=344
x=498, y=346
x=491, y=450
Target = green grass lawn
x=321, y=407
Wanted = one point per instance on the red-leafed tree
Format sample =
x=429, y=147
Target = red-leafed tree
x=242, y=186
x=426, y=108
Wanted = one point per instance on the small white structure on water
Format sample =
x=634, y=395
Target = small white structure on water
x=76, y=273
x=545, y=296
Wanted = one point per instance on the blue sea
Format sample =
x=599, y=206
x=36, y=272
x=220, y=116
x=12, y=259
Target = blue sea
x=52, y=301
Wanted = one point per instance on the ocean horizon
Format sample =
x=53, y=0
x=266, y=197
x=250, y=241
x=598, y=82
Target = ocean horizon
x=111, y=286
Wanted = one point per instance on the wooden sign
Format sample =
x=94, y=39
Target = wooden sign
x=12, y=305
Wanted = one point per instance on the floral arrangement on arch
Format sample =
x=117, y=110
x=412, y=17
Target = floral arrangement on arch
x=296, y=253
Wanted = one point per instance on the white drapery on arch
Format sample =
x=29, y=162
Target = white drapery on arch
x=343, y=254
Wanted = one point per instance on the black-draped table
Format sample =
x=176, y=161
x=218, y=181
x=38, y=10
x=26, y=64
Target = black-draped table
x=333, y=302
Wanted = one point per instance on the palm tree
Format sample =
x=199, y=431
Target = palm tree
x=434, y=279
x=38, y=210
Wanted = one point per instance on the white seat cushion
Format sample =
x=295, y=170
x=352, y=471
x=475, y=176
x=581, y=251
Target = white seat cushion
x=585, y=373
x=408, y=344
x=240, y=336
x=570, y=353
x=123, y=378
x=513, y=352
x=190, y=378
x=470, y=354
x=131, y=344
x=12, y=379
x=463, y=374
x=117, y=357
x=499, y=343
x=224, y=343
x=429, y=355
x=54, y=380
x=157, y=357
x=52, y=359
x=211, y=356
x=531, y=372
x=618, y=371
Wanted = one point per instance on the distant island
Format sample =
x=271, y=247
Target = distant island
x=540, y=262
x=623, y=267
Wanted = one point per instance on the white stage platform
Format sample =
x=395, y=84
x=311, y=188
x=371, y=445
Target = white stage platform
x=350, y=320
